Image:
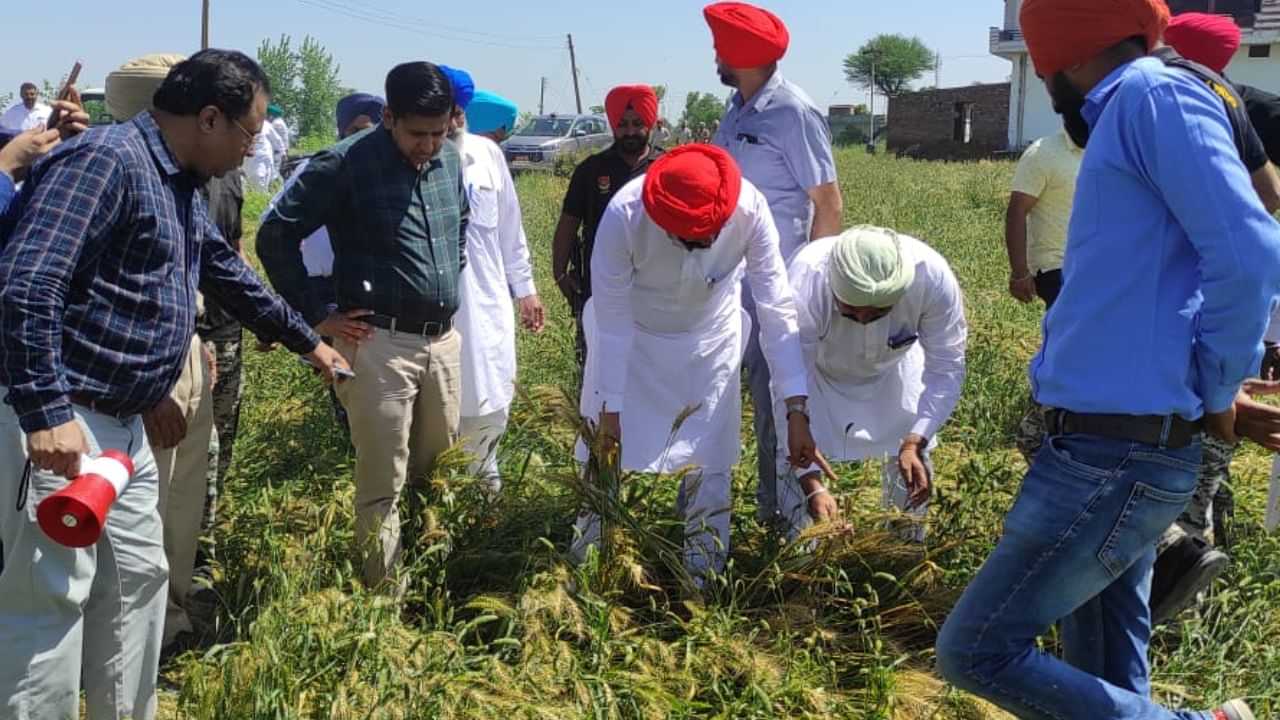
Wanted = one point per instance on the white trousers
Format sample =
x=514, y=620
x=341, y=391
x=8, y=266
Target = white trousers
x=893, y=495
x=480, y=436
x=703, y=502
x=71, y=616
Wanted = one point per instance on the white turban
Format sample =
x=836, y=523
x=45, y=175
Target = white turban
x=129, y=90
x=867, y=268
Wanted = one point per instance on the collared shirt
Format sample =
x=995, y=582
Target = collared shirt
x=1264, y=112
x=399, y=234
x=497, y=267
x=783, y=145
x=1169, y=274
x=593, y=185
x=224, y=197
x=317, y=251
x=19, y=119
x=98, y=280
x=1047, y=172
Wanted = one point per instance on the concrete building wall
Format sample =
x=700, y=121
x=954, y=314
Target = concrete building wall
x=929, y=123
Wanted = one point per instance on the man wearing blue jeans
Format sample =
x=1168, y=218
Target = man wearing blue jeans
x=1164, y=303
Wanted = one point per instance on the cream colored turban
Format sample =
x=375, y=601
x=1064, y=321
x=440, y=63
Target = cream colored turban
x=129, y=89
x=867, y=268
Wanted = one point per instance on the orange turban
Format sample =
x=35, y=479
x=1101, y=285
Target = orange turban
x=1063, y=33
x=1211, y=40
x=746, y=36
x=640, y=98
x=692, y=191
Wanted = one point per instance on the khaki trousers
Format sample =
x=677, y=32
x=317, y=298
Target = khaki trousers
x=184, y=472
x=403, y=408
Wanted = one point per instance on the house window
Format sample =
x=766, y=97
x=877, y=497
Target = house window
x=1259, y=51
x=963, y=132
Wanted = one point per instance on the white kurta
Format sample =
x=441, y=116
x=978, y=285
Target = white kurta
x=666, y=332
x=871, y=385
x=17, y=118
x=260, y=167
x=497, y=267
x=317, y=249
x=282, y=131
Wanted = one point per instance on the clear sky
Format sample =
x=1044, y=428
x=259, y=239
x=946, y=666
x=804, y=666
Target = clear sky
x=507, y=46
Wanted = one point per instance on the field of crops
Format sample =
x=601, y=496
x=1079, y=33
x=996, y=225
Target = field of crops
x=497, y=623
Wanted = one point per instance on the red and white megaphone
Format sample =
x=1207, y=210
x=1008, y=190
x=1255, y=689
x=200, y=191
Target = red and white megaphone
x=75, y=515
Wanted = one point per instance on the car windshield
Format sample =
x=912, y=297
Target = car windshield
x=546, y=127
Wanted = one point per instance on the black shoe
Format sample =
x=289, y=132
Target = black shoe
x=1183, y=571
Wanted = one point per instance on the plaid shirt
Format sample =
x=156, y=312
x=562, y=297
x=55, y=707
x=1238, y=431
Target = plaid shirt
x=398, y=234
x=98, y=279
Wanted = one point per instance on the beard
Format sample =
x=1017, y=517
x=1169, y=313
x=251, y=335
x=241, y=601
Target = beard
x=632, y=144
x=1069, y=103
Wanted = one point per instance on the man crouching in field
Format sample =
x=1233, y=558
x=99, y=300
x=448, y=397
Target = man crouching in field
x=883, y=332
x=1166, y=291
x=666, y=331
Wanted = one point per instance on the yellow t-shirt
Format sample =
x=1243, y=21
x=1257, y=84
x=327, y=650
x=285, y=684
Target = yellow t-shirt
x=1047, y=172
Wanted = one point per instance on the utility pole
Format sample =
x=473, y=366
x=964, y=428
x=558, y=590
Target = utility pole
x=871, y=134
x=204, y=25
x=542, y=96
x=573, y=66
x=937, y=70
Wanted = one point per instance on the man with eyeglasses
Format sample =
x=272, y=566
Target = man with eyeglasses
x=98, y=283
x=883, y=331
x=666, y=332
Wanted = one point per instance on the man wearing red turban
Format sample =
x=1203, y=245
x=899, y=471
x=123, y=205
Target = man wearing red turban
x=632, y=111
x=1167, y=283
x=781, y=141
x=665, y=332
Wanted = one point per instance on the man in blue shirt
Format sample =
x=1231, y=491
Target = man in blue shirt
x=1167, y=287
x=98, y=283
x=780, y=139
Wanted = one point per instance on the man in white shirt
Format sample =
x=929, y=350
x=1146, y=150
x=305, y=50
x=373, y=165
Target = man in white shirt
x=883, y=332
x=260, y=167
x=279, y=135
x=666, y=331
x=497, y=267
x=28, y=114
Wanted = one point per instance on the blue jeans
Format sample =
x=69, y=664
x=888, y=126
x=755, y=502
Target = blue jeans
x=1078, y=546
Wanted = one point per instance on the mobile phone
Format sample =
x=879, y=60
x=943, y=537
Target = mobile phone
x=341, y=372
x=63, y=94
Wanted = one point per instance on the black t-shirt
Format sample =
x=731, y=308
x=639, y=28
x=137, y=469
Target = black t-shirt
x=593, y=185
x=225, y=197
x=1264, y=113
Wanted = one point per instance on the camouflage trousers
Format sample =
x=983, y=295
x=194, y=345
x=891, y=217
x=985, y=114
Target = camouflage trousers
x=1210, y=509
x=226, y=419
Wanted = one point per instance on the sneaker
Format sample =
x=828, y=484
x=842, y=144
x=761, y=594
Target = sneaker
x=1234, y=710
x=1182, y=572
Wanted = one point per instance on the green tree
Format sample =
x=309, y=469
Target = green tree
x=895, y=61
x=596, y=109
x=304, y=83
x=701, y=110
x=280, y=63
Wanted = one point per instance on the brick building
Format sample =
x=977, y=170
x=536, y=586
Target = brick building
x=960, y=123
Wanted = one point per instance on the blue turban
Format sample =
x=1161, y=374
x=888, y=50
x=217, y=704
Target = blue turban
x=353, y=106
x=464, y=88
x=490, y=111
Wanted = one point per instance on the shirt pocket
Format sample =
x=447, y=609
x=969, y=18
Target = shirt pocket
x=483, y=197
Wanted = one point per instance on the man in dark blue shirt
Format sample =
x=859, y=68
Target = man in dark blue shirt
x=98, y=284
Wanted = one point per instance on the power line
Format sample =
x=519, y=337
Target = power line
x=408, y=25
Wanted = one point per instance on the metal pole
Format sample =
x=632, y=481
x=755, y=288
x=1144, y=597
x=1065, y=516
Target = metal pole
x=204, y=25
x=573, y=65
x=542, y=96
x=871, y=139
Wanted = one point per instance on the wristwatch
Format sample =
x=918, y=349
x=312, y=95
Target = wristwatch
x=798, y=406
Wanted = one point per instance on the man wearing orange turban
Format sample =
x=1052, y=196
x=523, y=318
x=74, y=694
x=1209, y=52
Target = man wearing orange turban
x=1167, y=285
x=781, y=141
x=632, y=111
x=666, y=329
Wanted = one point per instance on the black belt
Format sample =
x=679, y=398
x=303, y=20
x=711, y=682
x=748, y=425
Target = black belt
x=1168, y=431
x=425, y=328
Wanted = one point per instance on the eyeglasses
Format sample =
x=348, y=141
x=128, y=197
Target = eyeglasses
x=248, y=135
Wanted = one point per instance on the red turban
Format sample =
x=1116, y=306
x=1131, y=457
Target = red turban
x=1063, y=33
x=692, y=191
x=1211, y=40
x=746, y=36
x=640, y=98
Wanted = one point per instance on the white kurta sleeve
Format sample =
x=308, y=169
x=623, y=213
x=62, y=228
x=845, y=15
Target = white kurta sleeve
x=511, y=237
x=775, y=308
x=944, y=334
x=259, y=168
x=813, y=301
x=612, y=275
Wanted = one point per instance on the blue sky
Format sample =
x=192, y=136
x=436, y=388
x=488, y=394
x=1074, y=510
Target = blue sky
x=507, y=46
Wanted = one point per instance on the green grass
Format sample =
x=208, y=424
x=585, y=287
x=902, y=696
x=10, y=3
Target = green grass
x=497, y=623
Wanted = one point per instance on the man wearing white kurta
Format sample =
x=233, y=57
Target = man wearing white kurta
x=666, y=333
x=883, y=333
x=497, y=267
